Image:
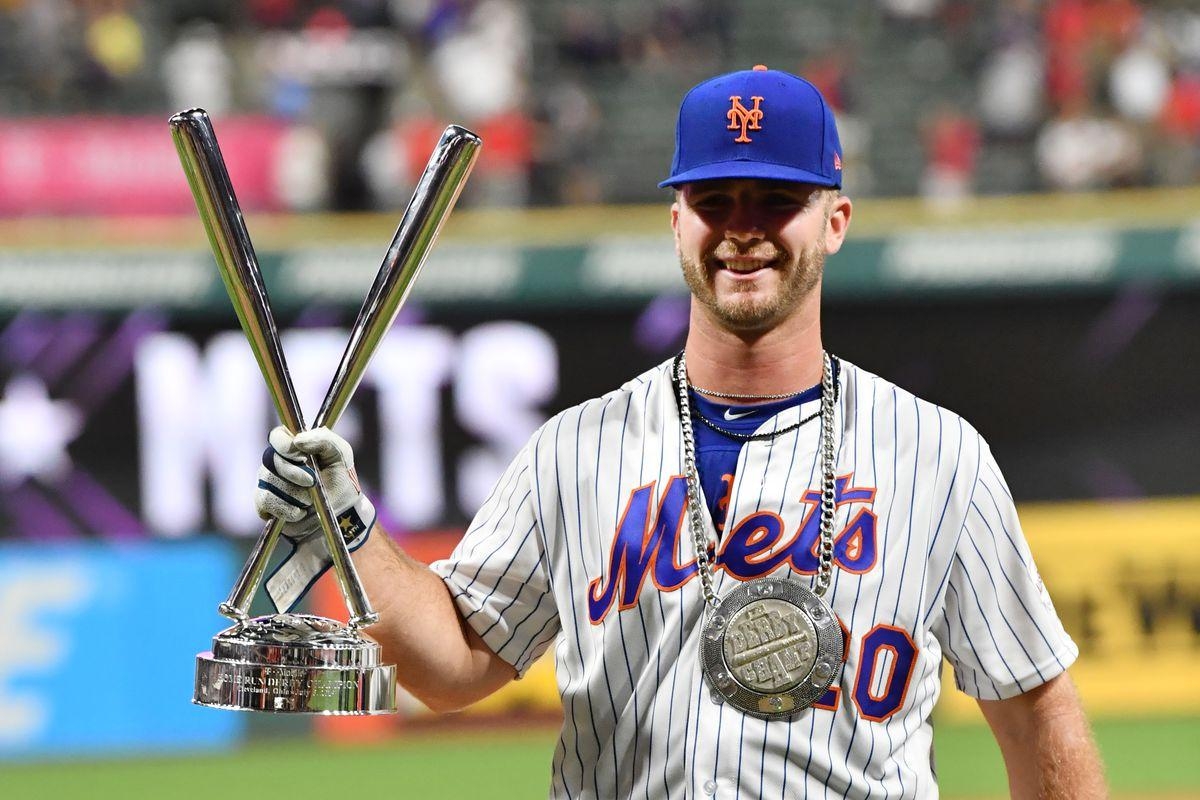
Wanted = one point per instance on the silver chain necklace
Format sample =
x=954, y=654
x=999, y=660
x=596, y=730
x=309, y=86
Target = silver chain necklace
x=754, y=437
x=735, y=396
x=772, y=647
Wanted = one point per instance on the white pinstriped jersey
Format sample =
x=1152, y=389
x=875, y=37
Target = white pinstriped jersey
x=584, y=544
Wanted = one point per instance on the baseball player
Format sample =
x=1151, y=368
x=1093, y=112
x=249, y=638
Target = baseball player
x=750, y=560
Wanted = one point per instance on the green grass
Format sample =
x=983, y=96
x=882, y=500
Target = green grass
x=512, y=765
x=1144, y=758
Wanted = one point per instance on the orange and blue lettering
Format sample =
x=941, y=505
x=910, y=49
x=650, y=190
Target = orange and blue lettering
x=643, y=545
x=747, y=551
x=744, y=119
x=723, y=502
x=878, y=706
x=648, y=544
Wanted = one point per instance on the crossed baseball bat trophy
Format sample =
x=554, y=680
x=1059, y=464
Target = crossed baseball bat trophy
x=301, y=663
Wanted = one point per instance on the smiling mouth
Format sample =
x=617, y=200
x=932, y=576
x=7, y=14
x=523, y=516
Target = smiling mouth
x=744, y=266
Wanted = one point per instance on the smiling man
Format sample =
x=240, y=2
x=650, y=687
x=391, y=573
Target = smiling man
x=752, y=559
x=747, y=240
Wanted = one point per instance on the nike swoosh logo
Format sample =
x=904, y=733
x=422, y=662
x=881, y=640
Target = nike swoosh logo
x=729, y=415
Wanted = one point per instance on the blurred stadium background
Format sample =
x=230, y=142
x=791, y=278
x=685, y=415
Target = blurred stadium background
x=1026, y=251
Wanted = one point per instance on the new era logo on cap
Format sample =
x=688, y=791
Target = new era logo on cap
x=782, y=129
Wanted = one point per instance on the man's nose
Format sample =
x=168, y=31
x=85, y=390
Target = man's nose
x=744, y=224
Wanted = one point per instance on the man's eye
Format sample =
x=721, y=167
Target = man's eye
x=784, y=201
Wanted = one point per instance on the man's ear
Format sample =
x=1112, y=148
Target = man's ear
x=675, y=221
x=837, y=223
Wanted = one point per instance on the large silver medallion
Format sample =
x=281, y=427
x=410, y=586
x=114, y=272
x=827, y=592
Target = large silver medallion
x=771, y=648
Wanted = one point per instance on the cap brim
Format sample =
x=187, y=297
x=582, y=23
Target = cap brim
x=749, y=169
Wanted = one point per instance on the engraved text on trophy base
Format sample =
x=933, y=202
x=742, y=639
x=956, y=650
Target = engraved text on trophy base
x=275, y=684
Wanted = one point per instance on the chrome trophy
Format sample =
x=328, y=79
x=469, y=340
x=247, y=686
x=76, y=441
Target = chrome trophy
x=301, y=663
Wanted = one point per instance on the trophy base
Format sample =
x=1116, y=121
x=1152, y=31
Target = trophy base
x=295, y=664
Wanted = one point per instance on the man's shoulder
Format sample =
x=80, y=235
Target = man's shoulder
x=617, y=406
x=871, y=393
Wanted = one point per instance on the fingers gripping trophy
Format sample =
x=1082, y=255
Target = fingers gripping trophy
x=289, y=662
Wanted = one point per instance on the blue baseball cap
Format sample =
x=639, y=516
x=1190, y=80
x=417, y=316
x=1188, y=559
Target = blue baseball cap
x=756, y=123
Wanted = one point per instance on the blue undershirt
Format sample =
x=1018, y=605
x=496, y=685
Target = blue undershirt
x=717, y=454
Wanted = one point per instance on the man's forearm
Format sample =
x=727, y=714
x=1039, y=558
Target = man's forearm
x=438, y=658
x=1047, y=744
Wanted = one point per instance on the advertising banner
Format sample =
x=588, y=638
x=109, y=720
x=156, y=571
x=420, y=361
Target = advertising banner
x=152, y=423
x=1125, y=579
x=98, y=645
x=126, y=165
x=490, y=271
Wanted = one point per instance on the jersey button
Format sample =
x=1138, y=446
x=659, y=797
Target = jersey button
x=710, y=787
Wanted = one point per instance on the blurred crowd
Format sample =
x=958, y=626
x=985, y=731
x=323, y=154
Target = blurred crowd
x=576, y=100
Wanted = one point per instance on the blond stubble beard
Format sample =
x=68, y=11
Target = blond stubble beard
x=742, y=311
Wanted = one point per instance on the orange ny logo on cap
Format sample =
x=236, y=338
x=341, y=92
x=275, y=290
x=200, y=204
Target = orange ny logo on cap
x=746, y=119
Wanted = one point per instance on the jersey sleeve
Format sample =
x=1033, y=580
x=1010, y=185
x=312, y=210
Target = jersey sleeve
x=497, y=574
x=999, y=629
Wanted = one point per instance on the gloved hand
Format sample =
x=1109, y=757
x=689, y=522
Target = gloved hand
x=284, y=481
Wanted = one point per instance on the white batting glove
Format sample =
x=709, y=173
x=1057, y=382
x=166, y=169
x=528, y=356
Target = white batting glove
x=284, y=481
